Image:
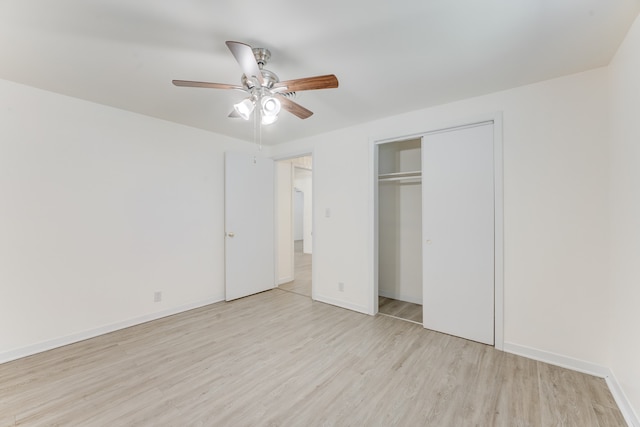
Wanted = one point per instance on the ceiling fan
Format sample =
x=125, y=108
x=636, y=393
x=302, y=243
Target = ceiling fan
x=265, y=90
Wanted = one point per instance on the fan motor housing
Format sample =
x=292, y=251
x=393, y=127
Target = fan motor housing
x=270, y=78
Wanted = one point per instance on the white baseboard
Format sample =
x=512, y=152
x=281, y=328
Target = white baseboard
x=399, y=297
x=341, y=304
x=30, y=350
x=630, y=415
x=557, y=360
x=621, y=399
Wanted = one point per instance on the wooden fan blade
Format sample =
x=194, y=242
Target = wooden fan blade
x=188, y=83
x=328, y=81
x=294, y=108
x=244, y=55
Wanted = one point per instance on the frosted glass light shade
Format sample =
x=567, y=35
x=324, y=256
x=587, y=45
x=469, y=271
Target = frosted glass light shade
x=270, y=106
x=267, y=120
x=244, y=108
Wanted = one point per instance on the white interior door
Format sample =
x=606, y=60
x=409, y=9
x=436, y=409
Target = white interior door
x=249, y=225
x=458, y=232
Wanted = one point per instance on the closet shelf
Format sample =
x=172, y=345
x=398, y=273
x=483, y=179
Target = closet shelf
x=397, y=176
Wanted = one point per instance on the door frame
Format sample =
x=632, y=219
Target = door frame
x=313, y=217
x=498, y=173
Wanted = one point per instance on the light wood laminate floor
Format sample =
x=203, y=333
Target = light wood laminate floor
x=302, y=272
x=281, y=359
x=400, y=309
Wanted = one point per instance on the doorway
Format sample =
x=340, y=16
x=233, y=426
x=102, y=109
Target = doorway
x=294, y=211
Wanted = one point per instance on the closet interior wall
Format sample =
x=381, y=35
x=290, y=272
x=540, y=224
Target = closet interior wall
x=400, y=221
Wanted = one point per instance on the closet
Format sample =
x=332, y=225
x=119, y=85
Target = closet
x=436, y=230
x=400, y=229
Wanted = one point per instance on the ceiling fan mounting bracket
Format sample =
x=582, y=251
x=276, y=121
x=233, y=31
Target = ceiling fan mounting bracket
x=262, y=56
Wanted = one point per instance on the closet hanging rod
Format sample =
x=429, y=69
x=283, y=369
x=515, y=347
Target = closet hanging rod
x=407, y=174
x=400, y=178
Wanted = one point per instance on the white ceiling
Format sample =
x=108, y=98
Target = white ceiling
x=390, y=57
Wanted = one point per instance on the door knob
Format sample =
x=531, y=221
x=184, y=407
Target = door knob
x=231, y=234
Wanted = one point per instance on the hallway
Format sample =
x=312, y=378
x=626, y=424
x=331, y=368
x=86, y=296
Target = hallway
x=302, y=273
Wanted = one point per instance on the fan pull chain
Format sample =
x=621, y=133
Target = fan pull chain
x=257, y=129
x=260, y=133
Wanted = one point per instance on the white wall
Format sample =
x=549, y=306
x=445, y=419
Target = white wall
x=624, y=353
x=342, y=236
x=556, y=194
x=100, y=208
x=284, y=185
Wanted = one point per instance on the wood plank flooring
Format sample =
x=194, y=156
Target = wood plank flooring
x=302, y=285
x=281, y=359
x=400, y=309
x=302, y=272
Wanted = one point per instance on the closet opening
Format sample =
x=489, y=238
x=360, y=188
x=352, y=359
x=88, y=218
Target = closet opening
x=294, y=207
x=399, y=229
x=438, y=230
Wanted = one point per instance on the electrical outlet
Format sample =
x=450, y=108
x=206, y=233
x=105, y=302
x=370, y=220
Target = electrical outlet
x=341, y=286
x=157, y=296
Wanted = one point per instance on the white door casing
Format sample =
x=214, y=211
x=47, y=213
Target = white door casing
x=249, y=225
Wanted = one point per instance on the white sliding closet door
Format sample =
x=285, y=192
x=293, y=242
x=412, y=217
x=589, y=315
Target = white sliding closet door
x=458, y=232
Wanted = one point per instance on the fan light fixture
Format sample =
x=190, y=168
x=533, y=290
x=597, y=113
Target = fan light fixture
x=267, y=120
x=244, y=108
x=263, y=87
x=269, y=108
